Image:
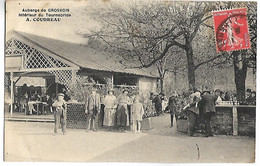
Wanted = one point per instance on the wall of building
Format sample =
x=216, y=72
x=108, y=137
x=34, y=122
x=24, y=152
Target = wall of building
x=147, y=85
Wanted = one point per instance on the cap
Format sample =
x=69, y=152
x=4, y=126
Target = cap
x=61, y=94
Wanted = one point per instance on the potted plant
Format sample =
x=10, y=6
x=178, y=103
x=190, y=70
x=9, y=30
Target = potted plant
x=182, y=122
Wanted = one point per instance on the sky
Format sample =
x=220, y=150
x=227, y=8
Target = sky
x=63, y=30
x=67, y=27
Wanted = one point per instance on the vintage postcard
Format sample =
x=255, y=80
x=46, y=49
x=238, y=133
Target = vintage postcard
x=130, y=81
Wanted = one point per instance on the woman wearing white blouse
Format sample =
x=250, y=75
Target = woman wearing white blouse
x=122, y=116
x=110, y=103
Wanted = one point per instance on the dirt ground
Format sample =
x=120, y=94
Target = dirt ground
x=35, y=141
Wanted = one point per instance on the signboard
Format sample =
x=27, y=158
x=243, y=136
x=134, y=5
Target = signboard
x=13, y=63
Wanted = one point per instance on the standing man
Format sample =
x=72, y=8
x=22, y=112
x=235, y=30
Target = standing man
x=92, y=108
x=192, y=111
x=60, y=113
x=174, y=106
x=158, y=104
x=208, y=102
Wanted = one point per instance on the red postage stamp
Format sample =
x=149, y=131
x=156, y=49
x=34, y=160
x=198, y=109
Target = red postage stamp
x=231, y=30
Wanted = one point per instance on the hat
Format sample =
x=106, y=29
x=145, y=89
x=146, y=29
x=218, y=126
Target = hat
x=110, y=90
x=197, y=90
x=61, y=94
x=94, y=87
x=205, y=90
x=248, y=90
x=161, y=93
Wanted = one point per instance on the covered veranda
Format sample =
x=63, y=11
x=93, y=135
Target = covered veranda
x=61, y=63
x=23, y=59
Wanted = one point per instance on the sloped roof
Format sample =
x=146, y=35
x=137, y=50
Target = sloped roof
x=83, y=56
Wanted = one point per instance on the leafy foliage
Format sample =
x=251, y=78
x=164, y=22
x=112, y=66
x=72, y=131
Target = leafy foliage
x=172, y=37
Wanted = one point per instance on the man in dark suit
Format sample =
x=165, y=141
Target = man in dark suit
x=92, y=108
x=207, y=110
x=174, y=106
x=158, y=104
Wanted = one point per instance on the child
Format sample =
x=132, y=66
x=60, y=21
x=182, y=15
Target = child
x=137, y=114
x=60, y=113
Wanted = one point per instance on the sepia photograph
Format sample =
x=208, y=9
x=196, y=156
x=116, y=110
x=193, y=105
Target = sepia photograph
x=115, y=81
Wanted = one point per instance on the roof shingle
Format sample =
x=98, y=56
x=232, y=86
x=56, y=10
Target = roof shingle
x=84, y=56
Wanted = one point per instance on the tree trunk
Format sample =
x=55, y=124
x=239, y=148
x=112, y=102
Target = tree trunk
x=191, y=66
x=240, y=70
x=161, y=84
x=161, y=75
x=175, y=79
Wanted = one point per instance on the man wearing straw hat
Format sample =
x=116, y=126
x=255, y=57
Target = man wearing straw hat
x=60, y=113
x=192, y=111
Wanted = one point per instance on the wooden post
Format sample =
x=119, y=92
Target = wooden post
x=73, y=76
x=57, y=89
x=112, y=81
x=12, y=92
x=235, y=120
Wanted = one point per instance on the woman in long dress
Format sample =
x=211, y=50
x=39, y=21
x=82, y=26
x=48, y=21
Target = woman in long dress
x=110, y=103
x=122, y=115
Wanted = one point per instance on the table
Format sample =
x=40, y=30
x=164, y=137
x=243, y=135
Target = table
x=37, y=103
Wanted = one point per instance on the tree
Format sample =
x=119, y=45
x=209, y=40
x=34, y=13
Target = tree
x=147, y=32
x=244, y=59
x=173, y=62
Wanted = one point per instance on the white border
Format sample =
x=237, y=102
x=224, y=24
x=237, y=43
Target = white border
x=2, y=27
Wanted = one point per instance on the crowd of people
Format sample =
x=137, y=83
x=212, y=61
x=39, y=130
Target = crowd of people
x=124, y=111
x=250, y=97
x=199, y=107
x=27, y=103
x=116, y=111
x=32, y=100
x=196, y=106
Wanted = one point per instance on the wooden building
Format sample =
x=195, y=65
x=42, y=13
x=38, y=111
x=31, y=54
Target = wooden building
x=28, y=55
